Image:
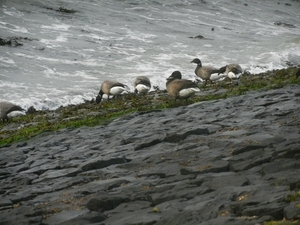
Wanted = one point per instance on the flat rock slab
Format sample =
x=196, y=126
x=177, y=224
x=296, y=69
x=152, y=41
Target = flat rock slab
x=229, y=161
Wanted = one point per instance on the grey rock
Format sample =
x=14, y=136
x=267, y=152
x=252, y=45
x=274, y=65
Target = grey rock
x=100, y=163
x=210, y=166
x=5, y=204
x=230, y=161
x=102, y=204
x=292, y=211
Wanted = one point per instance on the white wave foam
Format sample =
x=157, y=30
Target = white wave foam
x=49, y=43
x=52, y=73
x=94, y=36
x=13, y=28
x=13, y=12
x=144, y=37
x=61, y=38
x=11, y=85
x=88, y=62
x=88, y=50
x=60, y=27
x=50, y=102
x=7, y=60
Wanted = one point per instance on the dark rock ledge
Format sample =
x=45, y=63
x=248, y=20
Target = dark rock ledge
x=232, y=161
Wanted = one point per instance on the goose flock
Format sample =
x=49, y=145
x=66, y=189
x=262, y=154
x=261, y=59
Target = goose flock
x=177, y=87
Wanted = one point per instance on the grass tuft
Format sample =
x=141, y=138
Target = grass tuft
x=296, y=222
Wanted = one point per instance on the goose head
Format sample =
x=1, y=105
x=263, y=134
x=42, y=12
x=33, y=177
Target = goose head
x=197, y=61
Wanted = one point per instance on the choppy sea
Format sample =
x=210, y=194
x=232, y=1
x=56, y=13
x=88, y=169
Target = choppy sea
x=64, y=57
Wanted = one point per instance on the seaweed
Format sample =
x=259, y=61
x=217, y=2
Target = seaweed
x=92, y=114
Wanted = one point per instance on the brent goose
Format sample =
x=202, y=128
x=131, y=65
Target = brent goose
x=142, y=84
x=232, y=71
x=110, y=87
x=204, y=72
x=180, y=88
x=7, y=108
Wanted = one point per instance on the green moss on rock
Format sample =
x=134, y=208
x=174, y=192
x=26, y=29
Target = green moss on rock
x=92, y=114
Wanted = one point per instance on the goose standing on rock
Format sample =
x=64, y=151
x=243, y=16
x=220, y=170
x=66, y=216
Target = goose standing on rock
x=204, y=72
x=232, y=71
x=110, y=87
x=142, y=84
x=7, y=108
x=180, y=88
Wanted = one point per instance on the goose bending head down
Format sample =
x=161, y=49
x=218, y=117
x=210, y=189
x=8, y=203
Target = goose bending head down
x=142, y=84
x=204, y=72
x=180, y=88
x=216, y=77
x=110, y=87
x=232, y=71
x=7, y=108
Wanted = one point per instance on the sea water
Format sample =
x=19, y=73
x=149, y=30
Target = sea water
x=66, y=56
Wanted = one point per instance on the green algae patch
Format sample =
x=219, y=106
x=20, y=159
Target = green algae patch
x=296, y=222
x=293, y=197
x=92, y=114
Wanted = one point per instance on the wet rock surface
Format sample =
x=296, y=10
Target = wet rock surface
x=230, y=161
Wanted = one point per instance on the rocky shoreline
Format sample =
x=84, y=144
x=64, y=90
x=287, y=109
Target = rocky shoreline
x=227, y=161
x=91, y=114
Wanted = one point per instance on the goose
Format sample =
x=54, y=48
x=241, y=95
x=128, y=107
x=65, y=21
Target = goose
x=180, y=88
x=232, y=71
x=204, y=72
x=110, y=87
x=142, y=84
x=216, y=77
x=8, y=110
